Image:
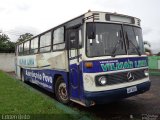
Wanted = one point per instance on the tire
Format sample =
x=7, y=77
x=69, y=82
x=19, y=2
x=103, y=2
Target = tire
x=61, y=91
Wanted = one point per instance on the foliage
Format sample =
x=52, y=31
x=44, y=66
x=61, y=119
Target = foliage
x=25, y=36
x=18, y=98
x=158, y=53
x=147, y=49
x=147, y=43
x=6, y=46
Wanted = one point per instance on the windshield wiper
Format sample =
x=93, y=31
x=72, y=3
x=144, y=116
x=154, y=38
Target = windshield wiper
x=139, y=53
x=116, y=46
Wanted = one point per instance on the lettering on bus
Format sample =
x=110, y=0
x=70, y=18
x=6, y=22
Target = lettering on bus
x=39, y=76
x=29, y=62
x=123, y=65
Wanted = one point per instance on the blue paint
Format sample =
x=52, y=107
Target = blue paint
x=44, y=78
x=75, y=81
x=116, y=64
x=116, y=94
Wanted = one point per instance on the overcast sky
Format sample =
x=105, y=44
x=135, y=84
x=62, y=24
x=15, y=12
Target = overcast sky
x=35, y=16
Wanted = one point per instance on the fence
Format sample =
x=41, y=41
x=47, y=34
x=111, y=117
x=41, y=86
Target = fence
x=7, y=62
x=154, y=62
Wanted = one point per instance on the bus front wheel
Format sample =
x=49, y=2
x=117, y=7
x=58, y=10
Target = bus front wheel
x=61, y=91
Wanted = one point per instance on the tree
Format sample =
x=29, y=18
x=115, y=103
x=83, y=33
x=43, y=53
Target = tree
x=158, y=54
x=6, y=46
x=147, y=47
x=25, y=36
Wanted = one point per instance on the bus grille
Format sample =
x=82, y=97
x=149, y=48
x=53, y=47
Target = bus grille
x=122, y=77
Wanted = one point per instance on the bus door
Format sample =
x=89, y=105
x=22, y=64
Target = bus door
x=74, y=69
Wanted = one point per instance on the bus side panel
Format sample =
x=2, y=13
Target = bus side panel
x=76, y=82
x=43, y=78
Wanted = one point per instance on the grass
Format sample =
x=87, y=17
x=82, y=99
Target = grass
x=18, y=98
x=154, y=72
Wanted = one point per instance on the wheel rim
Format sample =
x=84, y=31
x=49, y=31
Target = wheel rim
x=62, y=91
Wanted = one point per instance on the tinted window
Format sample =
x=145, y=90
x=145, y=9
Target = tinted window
x=134, y=39
x=107, y=38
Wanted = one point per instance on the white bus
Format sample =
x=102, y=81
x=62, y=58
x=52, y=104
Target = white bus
x=95, y=58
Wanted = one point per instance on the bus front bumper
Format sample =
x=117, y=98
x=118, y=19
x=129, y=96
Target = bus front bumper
x=116, y=94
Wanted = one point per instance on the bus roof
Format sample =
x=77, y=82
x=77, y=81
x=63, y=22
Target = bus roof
x=82, y=15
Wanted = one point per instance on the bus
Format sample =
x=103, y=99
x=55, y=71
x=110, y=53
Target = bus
x=95, y=58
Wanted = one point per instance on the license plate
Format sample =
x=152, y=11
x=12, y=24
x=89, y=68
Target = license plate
x=131, y=89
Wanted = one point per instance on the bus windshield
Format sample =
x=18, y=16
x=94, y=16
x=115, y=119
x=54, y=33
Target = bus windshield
x=110, y=40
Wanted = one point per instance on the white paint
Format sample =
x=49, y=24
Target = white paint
x=53, y=60
x=7, y=62
x=114, y=18
x=94, y=88
x=89, y=81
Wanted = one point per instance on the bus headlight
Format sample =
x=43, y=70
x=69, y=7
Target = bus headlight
x=146, y=72
x=102, y=80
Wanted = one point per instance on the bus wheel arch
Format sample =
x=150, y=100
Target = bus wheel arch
x=60, y=89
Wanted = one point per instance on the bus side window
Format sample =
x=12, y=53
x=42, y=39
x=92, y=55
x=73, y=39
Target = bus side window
x=26, y=47
x=58, y=39
x=34, y=45
x=20, y=49
x=72, y=39
x=45, y=42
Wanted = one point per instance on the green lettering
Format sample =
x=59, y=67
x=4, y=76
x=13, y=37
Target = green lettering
x=105, y=67
x=119, y=65
x=126, y=65
x=112, y=66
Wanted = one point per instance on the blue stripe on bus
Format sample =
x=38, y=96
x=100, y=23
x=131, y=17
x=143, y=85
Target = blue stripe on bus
x=107, y=96
x=44, y=78
x=116, y=64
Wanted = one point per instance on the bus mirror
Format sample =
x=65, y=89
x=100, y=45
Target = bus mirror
x=91, y=31
x=91, y=35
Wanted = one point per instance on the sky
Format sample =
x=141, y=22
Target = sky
x=35, y=16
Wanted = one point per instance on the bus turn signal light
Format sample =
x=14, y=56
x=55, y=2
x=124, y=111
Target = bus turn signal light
x=88, y=64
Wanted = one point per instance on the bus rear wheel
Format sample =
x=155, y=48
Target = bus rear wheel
x=61, y=91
